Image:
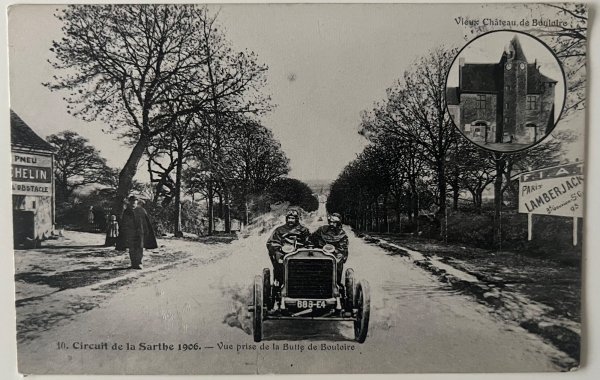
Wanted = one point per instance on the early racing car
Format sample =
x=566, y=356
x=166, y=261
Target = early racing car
x=310, y=292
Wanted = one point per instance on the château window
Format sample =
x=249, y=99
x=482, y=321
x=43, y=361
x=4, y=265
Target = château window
x=481, y=102
x=531, y=102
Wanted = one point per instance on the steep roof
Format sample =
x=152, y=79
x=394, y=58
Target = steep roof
x=22, y=135
x=452, y=96
x=480, y=77
x=487, y=77
x=535, y=79
x=516, y=45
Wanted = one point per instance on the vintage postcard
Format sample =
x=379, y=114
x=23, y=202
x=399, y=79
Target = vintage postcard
x=297, y=188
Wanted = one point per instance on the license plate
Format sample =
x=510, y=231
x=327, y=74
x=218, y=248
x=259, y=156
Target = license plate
x=309, y=304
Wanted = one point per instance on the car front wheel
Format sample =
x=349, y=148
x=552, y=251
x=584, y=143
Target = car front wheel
x=363, y=306
x=257, y=313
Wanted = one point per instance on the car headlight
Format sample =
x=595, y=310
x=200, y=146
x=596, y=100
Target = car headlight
x=287, y=248
x=328, y=248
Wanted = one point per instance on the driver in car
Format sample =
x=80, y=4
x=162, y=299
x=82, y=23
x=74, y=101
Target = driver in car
x=332, y=233
x=292, y=232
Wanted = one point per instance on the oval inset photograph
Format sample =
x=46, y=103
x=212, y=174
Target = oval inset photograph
x=505, y=91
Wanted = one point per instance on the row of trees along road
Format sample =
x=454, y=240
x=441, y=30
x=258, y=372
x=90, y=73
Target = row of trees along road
x=417, y=160
x=166, y=80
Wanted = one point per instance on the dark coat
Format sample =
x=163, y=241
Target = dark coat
x=328, y=235
x=135, y=230
x=285, y=233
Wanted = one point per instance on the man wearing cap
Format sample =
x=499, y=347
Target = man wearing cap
x=292, y=232
x=136, y=232
x=332, y=233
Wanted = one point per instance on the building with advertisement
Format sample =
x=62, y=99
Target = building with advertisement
x=32, y=172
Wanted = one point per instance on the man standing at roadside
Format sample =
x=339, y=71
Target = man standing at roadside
x=137, y=232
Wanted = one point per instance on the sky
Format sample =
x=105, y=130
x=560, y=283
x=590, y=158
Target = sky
x=327, y=63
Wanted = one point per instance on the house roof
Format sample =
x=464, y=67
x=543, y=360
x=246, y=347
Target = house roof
x=535, y=79
x=22, y=135
x=488, y=77
x=452, y=96
x=516, y=46
x=480, y=77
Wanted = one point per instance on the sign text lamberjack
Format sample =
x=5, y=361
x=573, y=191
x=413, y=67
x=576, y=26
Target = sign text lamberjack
x=553, y=191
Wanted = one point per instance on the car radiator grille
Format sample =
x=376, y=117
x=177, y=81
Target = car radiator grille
x=308, y=278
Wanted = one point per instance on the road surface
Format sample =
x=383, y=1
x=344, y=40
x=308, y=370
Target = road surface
x=417, y=325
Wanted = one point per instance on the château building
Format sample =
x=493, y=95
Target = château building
x=506, y=102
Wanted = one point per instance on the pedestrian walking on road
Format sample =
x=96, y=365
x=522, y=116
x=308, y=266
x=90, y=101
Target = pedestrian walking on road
x=137, y=232
x=113, y=231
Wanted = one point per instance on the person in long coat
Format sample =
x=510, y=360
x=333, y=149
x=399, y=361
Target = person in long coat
x=332, y=233
x=291, y=232
x=136, y=232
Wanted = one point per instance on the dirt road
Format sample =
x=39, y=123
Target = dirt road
x=416, y=326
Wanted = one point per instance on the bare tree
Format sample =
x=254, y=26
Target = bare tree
x=415, y=112
x=128, y=64
x=77, y=163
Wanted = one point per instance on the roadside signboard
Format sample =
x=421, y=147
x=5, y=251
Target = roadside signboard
x=553, y=191
x=557, y=190
x=31, y=174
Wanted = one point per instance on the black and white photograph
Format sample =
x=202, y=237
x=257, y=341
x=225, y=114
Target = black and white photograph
x=297, y=188
x=511, y=102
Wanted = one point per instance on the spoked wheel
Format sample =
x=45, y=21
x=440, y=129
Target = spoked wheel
x=349, y=285
x=267, y=289
x=363, y=306
x=257, y=313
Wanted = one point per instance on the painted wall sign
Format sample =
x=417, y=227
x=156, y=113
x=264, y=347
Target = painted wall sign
x=553, y=191
x=31, y=174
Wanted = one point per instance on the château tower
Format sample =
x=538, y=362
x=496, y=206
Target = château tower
x=515, y=91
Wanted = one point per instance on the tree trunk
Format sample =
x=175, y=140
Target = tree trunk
x=411, y=207
x=227, y=215
x=455, y=196
x=500, y=165
x=210, y=210
x=247, y=214
x=386, y=221
x=221, y=205
x=477, y=196
x=126, y=179
x=479, y=204
x=398, y=216
x=441, y=172
x=177, y=196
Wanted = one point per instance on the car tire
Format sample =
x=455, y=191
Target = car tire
x=257, y=313
x=267, y=289
x=350, y=289
x=363, y=306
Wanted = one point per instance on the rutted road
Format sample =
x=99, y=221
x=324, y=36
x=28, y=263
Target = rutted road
x=416, y=326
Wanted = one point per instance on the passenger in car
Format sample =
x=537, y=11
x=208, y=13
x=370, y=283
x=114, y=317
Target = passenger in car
x=333, y=233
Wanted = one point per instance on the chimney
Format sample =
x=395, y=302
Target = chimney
x=461, y=62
